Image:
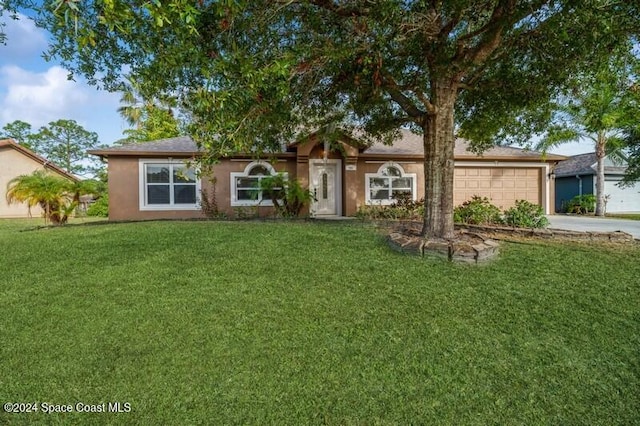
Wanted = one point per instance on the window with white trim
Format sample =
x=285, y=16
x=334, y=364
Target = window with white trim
x=390, y=180
x=168, y=185
x=246, y=186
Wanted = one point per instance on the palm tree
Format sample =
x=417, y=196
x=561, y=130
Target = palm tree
x=132, y=106
x=52, y=193
x=599, y=109
x=137, y=108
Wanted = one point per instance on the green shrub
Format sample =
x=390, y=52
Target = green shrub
x=477, y=211
x=403, y=208
x=525, y=215
x=582, y=204
x=99, y=208
x=288, y=195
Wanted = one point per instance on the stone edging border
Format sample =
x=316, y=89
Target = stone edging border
x=483, y=250
x=506, y=232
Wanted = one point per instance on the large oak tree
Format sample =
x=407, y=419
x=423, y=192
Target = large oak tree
x=254, y=73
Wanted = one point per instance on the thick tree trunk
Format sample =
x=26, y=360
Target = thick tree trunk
x=600, y=154
x=439, y=163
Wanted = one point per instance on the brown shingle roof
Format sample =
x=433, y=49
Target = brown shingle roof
x=585, y=164
x=576, y=165
x=182, y=145
x=9, y=143
x=409, y=144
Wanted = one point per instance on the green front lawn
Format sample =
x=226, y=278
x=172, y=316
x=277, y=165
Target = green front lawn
x=630, y=216
x=297, y=323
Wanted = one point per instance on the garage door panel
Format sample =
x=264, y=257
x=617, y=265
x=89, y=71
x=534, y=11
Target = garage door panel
x=622, y=200
x=534, y=197
x=502, y=185
x=509, y=195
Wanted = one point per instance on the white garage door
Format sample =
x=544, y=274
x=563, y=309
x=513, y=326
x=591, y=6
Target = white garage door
x=622, y=200
x=502, y=185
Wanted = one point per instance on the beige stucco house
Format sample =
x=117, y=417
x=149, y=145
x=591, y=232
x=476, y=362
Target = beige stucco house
x=16, y=160
x=152, y=180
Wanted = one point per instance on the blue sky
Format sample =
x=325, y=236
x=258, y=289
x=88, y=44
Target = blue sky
x=38, y=92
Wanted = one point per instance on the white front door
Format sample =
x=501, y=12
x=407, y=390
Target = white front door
x=325, y=187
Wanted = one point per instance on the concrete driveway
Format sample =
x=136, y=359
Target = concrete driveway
x=591, y=223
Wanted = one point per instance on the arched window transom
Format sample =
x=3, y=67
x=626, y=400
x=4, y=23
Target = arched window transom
x=388, y=183
x=246, y=186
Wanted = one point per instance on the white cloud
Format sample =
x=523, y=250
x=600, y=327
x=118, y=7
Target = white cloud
x=41, y=97
x=24, y=39
x=38, y=98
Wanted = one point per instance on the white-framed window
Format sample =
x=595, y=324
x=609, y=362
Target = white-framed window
x=390, y=180
x=245, y=186
x=167, y=184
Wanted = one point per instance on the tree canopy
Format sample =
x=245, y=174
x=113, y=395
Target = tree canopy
x=63, y=142
x=152, y=117
x=252, y=74
x=632, y=141
x=21, y=132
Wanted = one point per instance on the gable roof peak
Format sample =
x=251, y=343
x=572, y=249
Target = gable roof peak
x=10, y=143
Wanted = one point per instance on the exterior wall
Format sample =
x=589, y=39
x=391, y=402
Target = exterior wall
x=371, y=166
x=13, y=164
x=589, y=184
x=568, y=187
x=551, y=196
x=503, y=183
x=124, y=197
x=222, y=174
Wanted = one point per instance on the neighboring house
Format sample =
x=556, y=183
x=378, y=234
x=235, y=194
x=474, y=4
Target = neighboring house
x=16, y=160
x=577, y=176
x=151, y=180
